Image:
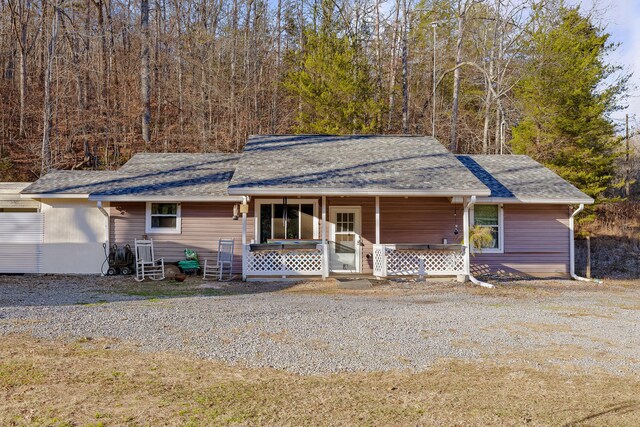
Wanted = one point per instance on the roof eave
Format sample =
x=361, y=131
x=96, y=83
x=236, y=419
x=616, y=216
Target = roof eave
x=353, y=192
x=533, y=200
x=53, y=196
x=152, y=198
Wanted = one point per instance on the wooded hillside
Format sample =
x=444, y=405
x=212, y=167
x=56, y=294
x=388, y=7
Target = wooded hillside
x=87, y=83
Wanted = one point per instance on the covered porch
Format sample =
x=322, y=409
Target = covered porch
x=381, y=236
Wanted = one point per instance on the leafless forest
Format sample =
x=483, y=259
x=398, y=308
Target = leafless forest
x=86, y=83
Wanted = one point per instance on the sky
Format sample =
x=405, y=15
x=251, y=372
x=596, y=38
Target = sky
x=622, y=20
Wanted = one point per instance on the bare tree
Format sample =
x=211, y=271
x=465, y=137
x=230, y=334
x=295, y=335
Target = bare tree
x=145, y=59
x=21, y=12
x=46, y=133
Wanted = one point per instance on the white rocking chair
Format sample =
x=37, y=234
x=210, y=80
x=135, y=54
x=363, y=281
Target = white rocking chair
x=223, y=263
x=146, y=263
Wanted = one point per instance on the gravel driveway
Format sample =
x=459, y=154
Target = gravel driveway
x=316, y=328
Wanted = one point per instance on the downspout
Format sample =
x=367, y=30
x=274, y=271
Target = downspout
x=467, y=251
x=106, y=229
x=106, y=225
x=572, y=251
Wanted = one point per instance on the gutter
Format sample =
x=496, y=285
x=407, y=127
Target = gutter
x=314, y=192
x=106, y=229
x=473, y=280
x=173, y=199
x=572, y=251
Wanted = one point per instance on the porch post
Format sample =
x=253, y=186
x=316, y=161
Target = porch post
x=244, y=241
x=465, y=233
x=377, y=220
x=325, y=252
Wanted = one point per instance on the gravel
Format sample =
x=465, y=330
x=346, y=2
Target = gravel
x=318, y=329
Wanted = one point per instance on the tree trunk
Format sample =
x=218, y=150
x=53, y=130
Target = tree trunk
x=178, y=12
x=453, y=145
x=23, y=90
x=20, y=16
x=405, y=70
x=394, y=66
x=48, y=117
x=145, y=72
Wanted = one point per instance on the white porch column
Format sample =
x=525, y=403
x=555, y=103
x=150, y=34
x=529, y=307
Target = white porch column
x=377, y=220
x=244, y=240
x=325, y=251
x=466, y=236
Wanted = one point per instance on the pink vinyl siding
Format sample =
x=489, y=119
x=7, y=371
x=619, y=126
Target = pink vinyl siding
x=536, y=236
x=410, y=220
x=536, y=240
x=202, y=225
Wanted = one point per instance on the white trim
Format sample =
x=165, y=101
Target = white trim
x=107, y=223
x=152, y=230
x=53, y=196
x=245, y=201
x=357, y=230
x=377, y=220
x=532, y=200
x=167, y=199
x=466, y=222
x=325, y=251
x=352, y=192
x=500, y=248
x=259, y=202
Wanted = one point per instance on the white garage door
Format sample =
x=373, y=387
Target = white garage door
x=21, y=237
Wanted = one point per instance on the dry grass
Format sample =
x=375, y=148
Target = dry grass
x=85, y=384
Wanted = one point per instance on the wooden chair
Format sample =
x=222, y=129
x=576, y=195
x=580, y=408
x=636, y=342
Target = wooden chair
x=146, y=263
x=223, y=263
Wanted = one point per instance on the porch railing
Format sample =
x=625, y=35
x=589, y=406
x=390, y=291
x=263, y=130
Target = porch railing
x=284, y=262
x=396, y=260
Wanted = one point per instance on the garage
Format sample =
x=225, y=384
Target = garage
x=21, y=231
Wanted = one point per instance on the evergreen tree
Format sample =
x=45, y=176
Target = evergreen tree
x=565, y=101
x=333, y=81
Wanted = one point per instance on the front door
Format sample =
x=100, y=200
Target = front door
x=345, y=245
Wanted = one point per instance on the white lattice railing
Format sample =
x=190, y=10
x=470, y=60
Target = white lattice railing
x=391, y=261
x=284, y=262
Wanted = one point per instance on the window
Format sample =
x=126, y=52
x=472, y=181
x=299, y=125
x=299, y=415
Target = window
x=490, y=216
x=298, y=222
x=163, y=218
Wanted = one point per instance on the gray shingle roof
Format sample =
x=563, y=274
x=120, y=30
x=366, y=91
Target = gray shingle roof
x=173, y=175
x=354, y=164
x=521, y=177
x=146, y=175
x=71, y=182
x=313, y=165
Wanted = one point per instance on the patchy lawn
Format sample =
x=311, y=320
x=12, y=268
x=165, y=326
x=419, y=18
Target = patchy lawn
x=89, y=383
x=116, y=352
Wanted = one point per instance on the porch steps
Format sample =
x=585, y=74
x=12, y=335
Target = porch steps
x=354, y=284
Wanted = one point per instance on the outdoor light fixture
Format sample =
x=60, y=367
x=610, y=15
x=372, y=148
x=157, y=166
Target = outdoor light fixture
x=236, y=212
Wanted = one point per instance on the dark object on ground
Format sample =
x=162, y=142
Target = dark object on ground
x=180, y=277
x=120, y=260
x=170, y=271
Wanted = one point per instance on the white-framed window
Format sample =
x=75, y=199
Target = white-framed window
x=297, y=220
x=491, y=217
x=163, y=218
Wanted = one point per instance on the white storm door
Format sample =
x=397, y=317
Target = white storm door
x=345, y=243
